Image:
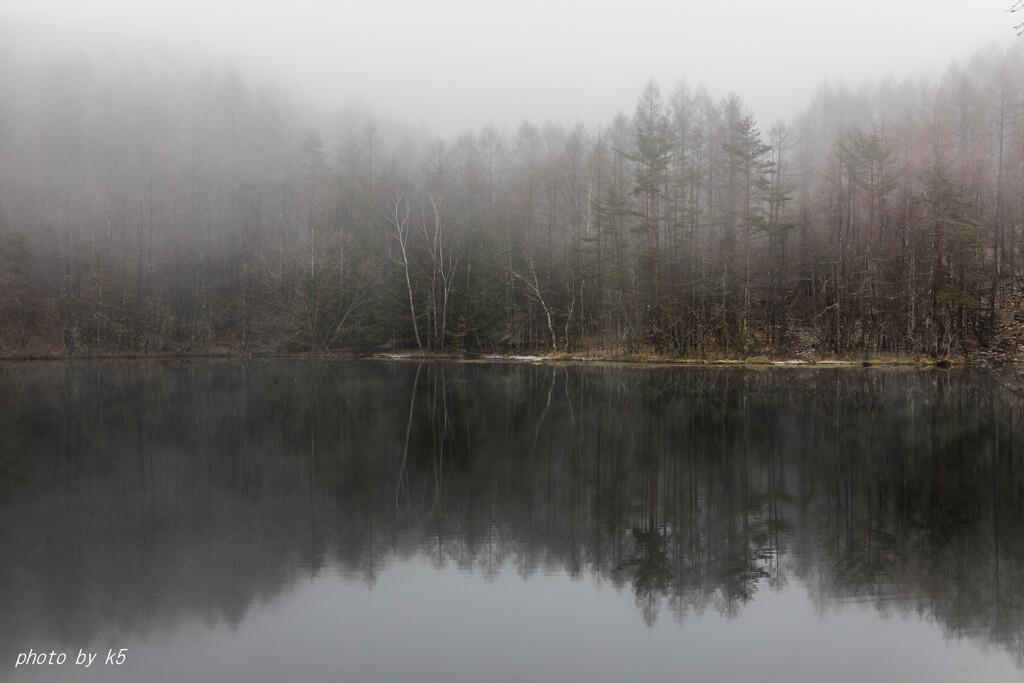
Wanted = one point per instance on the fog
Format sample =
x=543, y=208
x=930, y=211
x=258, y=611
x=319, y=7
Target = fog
x=452, y=65
x=770, y=179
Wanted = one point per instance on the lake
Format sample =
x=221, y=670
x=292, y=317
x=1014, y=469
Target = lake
x=397, y=521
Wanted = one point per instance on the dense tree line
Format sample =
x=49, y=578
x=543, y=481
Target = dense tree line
x=150, y=208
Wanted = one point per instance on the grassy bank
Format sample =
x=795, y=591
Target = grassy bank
x=804, y=360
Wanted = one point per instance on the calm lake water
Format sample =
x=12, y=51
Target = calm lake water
x=394, y=521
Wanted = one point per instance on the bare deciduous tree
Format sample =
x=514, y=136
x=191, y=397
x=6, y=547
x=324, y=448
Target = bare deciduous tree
x=397, y=213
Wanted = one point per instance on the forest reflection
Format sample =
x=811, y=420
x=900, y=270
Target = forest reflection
x=134, y=495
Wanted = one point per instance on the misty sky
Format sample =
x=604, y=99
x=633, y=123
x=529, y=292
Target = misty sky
x=453, y=65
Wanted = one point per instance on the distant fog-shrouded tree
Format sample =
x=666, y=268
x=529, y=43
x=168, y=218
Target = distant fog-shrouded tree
x=1003, y=118
x=683, y=220
x=746, y=159
x=868, y=157
x=576, y=198
x=361, y=180
x=63, y=158
x=310, y=296
x=706, y=322
x=651, y=155
x=312, y=173
x=521, y=227
x=613, y=265
x=956, y=243
x=778, y=226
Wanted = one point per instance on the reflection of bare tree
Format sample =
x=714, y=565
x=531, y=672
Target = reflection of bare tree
x=403, y=472
x=440, y=424
x=212, y=485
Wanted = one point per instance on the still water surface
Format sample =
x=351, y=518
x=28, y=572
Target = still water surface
x=382, y=521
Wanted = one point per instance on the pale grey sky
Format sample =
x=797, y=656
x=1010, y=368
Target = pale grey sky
x=454, y=65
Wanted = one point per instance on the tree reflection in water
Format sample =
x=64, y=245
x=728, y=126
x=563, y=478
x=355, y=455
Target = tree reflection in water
x=136, y=494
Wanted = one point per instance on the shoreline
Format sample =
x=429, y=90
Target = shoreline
x=642, y=359
x=535, y=358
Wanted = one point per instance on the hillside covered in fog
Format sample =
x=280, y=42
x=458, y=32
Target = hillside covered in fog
x=148, y=206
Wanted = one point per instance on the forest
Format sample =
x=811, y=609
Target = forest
x=151, y=208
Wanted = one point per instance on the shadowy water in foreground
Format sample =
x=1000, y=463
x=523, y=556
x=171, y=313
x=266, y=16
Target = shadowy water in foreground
x=141, y=498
